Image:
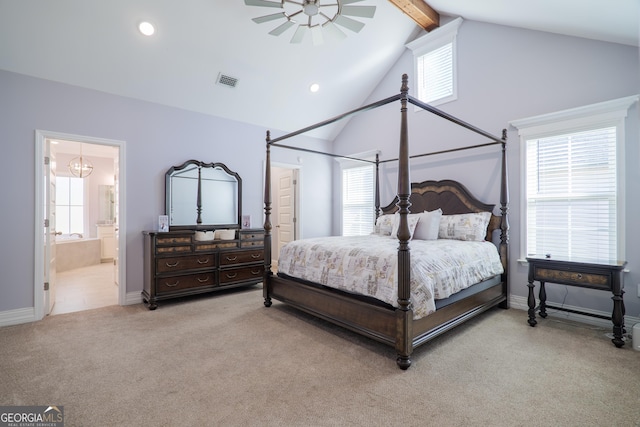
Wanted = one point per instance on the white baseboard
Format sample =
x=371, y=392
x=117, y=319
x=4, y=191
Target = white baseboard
x=520, y=303
x=18, y=316
x=132, y=298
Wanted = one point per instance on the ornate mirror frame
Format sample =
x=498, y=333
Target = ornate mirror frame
x=203, y=196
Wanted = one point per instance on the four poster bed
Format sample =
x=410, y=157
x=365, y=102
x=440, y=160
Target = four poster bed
x=406, y=291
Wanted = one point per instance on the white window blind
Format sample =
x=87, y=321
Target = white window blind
x=571, y=194
x=358, y=216
x=435, y=74
x=434, y=59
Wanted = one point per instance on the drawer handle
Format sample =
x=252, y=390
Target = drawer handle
x=232, y=258
x=172, y=285
x=204, y=280
x=172, y=265
x=232, y=275
x=255, y=272
x=579, y=276
x=206, y=261
x=255, y=256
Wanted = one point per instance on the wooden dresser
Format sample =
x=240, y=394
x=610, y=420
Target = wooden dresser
x=176, y=264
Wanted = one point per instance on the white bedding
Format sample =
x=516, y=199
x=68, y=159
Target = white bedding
x=367, y=265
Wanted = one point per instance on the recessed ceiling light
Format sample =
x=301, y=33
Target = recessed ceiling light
x=146, y=28
x=314, y=87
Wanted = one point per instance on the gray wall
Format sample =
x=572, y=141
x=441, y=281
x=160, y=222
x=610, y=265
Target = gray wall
x=505, y=74
x=157, y=137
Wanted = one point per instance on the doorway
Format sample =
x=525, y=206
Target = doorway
x=285, y=190
x=78, y=253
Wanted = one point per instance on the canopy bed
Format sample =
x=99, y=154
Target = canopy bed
x=394, y=305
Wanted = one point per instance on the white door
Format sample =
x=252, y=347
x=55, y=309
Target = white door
x=116, y=222
x=49, y=228
x=285, y=208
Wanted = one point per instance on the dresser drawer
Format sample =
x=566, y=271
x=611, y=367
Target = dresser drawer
x=245, y=235
x=164, y=265
x=176, y=283
x=241, y=257
x=171, y=240
x=599, y=281
x=249, y=243
x=241, y=274
x=173, y=249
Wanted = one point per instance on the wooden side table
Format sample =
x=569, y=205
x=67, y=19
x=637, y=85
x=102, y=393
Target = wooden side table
x=602, y=275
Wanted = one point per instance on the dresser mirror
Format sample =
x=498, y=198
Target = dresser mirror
x=203, y=196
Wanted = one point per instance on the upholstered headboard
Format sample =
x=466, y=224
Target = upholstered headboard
x=450, y=196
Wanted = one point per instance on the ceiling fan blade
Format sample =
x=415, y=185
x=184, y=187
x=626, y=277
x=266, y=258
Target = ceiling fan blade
x=361, y=11
x=267, y=18
x=348, y=23
x=316, y=35
x=298, y=36
x=281, y=29
x=333, y=31
x=351, y=1
x=263, y=3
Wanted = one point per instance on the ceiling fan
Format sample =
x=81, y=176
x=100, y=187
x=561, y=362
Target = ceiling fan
x=315, y=17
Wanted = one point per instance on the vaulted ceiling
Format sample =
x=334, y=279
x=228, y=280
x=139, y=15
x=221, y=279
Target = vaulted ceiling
x=96, y=44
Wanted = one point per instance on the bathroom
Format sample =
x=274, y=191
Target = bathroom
x=85, y=226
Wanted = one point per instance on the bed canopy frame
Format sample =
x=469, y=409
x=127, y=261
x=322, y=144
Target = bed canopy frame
x=399, y=329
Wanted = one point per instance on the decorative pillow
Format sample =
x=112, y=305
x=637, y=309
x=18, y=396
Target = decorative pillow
x=412, y=220
x=428, y=226
x=384, y=225
x=471, y=226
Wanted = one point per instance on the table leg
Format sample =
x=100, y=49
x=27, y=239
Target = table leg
x=618, y=320
x=531, y=301
x=543, y=301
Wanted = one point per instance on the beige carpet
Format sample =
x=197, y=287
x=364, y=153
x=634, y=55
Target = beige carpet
x=227, y=360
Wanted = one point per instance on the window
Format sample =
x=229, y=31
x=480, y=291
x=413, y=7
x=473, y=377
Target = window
x=573, y=195
x=435, y=65
x=69, y=205
x=358, y=210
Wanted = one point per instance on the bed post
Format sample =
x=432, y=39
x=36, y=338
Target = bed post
x=504, y=221
x=267, y=225
x=404, y=314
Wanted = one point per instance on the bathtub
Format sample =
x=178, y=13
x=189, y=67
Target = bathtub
x=74, y=252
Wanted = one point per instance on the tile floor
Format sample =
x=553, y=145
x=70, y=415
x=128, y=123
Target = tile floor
x=85, y=288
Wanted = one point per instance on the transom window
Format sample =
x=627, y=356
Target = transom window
x=434, y=57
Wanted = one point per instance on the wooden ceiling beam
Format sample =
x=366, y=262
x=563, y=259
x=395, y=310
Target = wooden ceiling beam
x=420, y=12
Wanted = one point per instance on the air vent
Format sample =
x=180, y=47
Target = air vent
x=225, y=80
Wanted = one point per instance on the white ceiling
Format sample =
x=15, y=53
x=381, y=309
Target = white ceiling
x=95, y=44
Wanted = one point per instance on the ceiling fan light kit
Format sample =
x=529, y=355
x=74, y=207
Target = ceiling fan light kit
x=317, y=17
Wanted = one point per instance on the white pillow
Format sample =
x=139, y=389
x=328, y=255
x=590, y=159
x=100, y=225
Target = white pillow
x=384, y=225
x=471, y=226
x=428, y=226
x=412, y=219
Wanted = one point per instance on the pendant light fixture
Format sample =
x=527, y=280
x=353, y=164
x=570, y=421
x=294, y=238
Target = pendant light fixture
x=80, y=166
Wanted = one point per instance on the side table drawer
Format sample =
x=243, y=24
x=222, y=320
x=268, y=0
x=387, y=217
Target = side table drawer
x=599, y=281
x=176, y=283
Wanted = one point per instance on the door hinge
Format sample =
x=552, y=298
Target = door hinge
x=46, y=286
x=46, y=223
x=47, y=160
x=295, y=181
